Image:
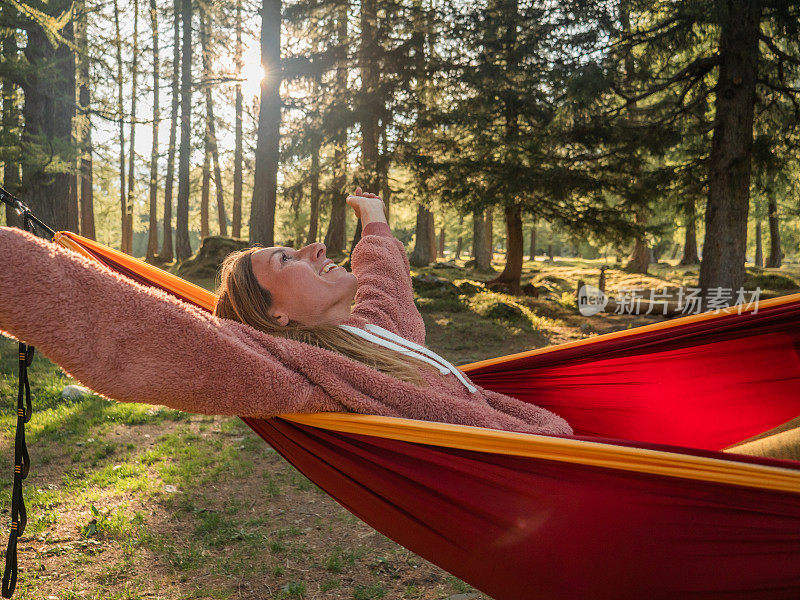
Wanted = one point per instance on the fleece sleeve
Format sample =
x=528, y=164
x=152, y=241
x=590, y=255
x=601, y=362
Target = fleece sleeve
x=132, y=343
x=385, y=296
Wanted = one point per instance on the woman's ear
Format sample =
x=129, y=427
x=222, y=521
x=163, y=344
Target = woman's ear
x=281, y=318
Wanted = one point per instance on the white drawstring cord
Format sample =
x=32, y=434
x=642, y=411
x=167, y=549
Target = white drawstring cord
x=385, y=333
x=391, y=346
x=408, y=348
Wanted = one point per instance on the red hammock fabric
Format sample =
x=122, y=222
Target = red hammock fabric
x=518, y=527
x=706, y=384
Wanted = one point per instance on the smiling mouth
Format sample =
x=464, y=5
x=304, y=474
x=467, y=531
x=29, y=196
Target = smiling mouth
x=329, y=267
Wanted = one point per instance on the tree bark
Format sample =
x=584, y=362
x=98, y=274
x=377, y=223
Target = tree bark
x=424, y=252
x=84, y=129
x=511, y=275
x=48, y=111
x=11, y=174
x=488, y=247
x=152, y=237
x=460, y=238
x=369, y=99
x=265, y=186
x=731, y=148
x=123, y=205
x=775, y=252
x=238, y=153
x=690, y=256
x=211, y=126
x=183, y=247
x=640, y=256
x=127, y=242
x=759, y=258
x=313, y=217
x=432, y=236
x=532, y=252
x=336, y=234
x=316, y=143
x=479, y=254
x=204, y=186
x=167, y=253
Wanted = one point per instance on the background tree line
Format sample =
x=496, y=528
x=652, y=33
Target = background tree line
x=630, y=127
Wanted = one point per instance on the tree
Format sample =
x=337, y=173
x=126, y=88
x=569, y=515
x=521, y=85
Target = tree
x=730, y=158
x=265, y=185
x=11, y=127
x=183, y=248
x=236, y=224
x=127, y=238
x=152, y=237
x=167, y=251
x=48, y=151
x=84, y=126
x=211, y=126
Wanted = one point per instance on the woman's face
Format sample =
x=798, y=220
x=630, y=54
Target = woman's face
x=306, y=286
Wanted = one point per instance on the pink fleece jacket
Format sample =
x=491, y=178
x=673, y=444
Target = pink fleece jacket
x=132, y=343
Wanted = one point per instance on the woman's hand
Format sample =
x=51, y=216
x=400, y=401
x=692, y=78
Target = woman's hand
x=367, y=207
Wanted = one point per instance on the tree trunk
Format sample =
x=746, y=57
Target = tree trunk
x=640, y=257
x=183, y=247
x=167, y=252
x=759, y=259
x=265, y=186
x=532, y=252
x=441, y=242
x=335, y=236
x=238, y=153
x=511, y=275
x=731, y=148
x=368, y=98
x=152, y=237
x=313, y=218
x=127, y=242
x=775, y=252
x=48, y=112
x=383, y=172
x=424, y=252
x=316, y=143
x=11, y=175
x=460, y=238
x=123, y=205
x=211, y=126
x=479, y=254
x=204, y=186
x=432, y=236
x=690, y=256
x=84, y=129
x=489, y=237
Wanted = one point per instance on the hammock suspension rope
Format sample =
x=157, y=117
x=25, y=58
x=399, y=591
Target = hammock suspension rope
x=22, y=462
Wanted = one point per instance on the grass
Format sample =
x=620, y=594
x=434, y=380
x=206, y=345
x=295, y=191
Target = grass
x=130, y=501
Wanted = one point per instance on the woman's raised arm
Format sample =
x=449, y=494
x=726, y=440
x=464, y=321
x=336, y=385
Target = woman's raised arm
x=136, y=344
x=385, y=296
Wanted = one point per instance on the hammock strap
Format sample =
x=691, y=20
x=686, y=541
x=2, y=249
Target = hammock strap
x=22, y=462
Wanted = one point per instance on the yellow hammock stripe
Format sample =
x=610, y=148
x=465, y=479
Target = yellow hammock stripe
x=195, y=293
x=478, y=439
x=594, y=454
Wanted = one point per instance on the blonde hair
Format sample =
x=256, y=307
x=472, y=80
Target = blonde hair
x=241, y=298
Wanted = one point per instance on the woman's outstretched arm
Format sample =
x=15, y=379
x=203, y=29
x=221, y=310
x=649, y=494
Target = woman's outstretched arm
x=385, y=296
x=136, y=344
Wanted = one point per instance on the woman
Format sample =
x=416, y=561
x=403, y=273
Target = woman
x=283, y=337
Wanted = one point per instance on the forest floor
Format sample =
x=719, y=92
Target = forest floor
x=130, y=501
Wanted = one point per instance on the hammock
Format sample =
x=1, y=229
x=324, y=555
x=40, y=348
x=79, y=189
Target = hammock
x=640, y=502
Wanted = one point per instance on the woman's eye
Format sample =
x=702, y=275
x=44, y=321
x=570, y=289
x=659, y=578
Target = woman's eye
x=284, y=257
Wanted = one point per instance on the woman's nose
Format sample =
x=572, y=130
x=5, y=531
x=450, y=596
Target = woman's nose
x=315, y=251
